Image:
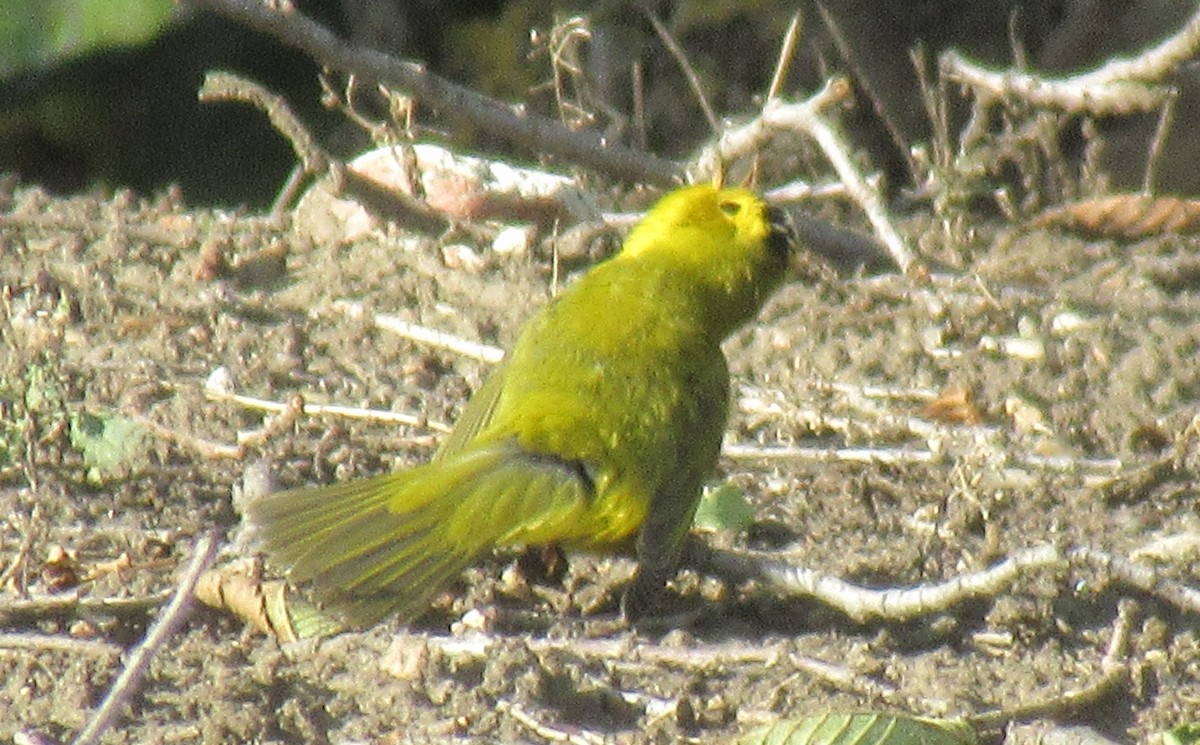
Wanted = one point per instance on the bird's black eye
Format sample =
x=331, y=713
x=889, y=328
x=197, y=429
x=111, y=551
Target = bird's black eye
x=730, y=208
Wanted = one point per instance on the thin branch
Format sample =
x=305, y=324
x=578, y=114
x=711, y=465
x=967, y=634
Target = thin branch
x=535, y=133
x=714, y=656
x=1166, y=118
x=856, y=413
x=862, y=604
x=688, y=71
x=1068, y=94
x=639, y=104
x=860, y=72
x=1120, y=86
x=756, y=134
x=886, y=456
x=389, y=203
x=551, y=734
x=806, y=118
x=801, y=190
x=17, y=611
x=205, y=448
x=1096, y=471
x=845, y=678
x=225, y=86
x=164, y=628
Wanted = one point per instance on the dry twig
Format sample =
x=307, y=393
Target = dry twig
x=535, y=133
x=866, y=84
x=545, y=731
x=862, y=604
x=205, y=448
x=805, y=117
x=22, y=610
x=1120, y=86
x=164, y=628
x=787, y=52
x=223, y=86
x=60, y=643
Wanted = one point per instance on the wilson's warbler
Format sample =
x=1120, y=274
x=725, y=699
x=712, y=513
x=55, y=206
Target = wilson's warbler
x=597, y=429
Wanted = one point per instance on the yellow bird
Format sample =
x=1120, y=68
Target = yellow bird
x=596, y=431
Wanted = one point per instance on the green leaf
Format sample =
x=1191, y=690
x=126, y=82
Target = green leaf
x=1184, y=734
x=12, y=423
x=724, y=508
x=861, y=729
x=44, y=32
x=113, y=447
x=43, y=391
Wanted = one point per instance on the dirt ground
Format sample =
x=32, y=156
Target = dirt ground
x=1082, y=357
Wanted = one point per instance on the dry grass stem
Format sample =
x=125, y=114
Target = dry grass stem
x=546, y=732
x=60, y=643
x=205, y=448
x=685, y=66
x=786, y=54
x=422, y=334
x=311, y=409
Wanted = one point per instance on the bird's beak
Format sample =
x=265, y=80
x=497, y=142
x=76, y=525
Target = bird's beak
x=781, y=236
x=849, y=252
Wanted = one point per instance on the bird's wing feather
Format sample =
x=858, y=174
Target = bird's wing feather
x=476, y=415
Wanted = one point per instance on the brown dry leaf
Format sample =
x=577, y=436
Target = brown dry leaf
x=267, y=605
x=240, y=590
x=955, y=405
x=1126, y=216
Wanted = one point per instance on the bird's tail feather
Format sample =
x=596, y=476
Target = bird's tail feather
x=387, y=545
x=377, y=546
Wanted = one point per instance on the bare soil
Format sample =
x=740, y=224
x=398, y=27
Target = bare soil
x=1080, y=353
